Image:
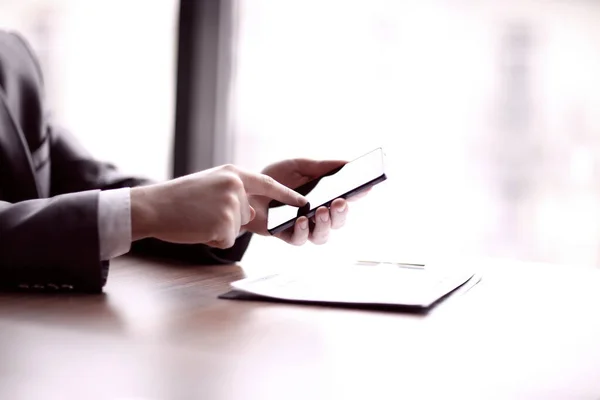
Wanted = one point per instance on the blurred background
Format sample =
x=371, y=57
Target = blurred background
x=489, y=112
x=109, y=71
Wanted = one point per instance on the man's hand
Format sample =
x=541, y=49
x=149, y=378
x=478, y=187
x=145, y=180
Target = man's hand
x=293, y=173
x=206, y=207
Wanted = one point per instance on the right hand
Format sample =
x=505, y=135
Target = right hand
x=206, y=207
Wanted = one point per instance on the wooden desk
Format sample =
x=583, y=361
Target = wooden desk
x=159, y=332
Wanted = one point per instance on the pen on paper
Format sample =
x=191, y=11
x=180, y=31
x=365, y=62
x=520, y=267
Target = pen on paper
x=399, y=264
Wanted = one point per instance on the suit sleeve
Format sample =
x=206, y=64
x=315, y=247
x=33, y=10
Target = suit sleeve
x=73, y=169
x=52, y=242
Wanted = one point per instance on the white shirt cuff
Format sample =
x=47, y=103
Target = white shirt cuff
x=114, y=223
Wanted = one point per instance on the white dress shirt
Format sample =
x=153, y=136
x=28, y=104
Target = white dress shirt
x=114, y=223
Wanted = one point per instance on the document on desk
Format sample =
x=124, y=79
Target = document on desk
x=388, y=285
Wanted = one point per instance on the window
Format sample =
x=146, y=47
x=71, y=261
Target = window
x=488, y=112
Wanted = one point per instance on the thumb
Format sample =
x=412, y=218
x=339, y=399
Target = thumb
x=314, y=168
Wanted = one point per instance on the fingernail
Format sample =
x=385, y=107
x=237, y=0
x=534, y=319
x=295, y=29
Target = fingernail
x=325, y=217
x=342, y=209
x=303, y=224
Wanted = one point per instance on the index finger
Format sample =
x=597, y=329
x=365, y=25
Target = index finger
x=264, y=185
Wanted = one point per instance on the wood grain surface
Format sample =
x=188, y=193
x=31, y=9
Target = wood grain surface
x=159, y=332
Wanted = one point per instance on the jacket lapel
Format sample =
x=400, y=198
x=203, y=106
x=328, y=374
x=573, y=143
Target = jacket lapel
x=15, y=151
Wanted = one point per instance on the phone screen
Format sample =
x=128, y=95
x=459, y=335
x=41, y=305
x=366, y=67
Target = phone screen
x=345, y=181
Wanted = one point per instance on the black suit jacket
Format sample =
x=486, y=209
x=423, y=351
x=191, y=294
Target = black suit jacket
x=49, y=187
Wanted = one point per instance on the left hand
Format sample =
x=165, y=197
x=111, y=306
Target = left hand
x=293, y=173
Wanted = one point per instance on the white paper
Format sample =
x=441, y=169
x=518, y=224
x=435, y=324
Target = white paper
x=389, y=284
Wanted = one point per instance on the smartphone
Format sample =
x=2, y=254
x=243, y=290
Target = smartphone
x=343, y=182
